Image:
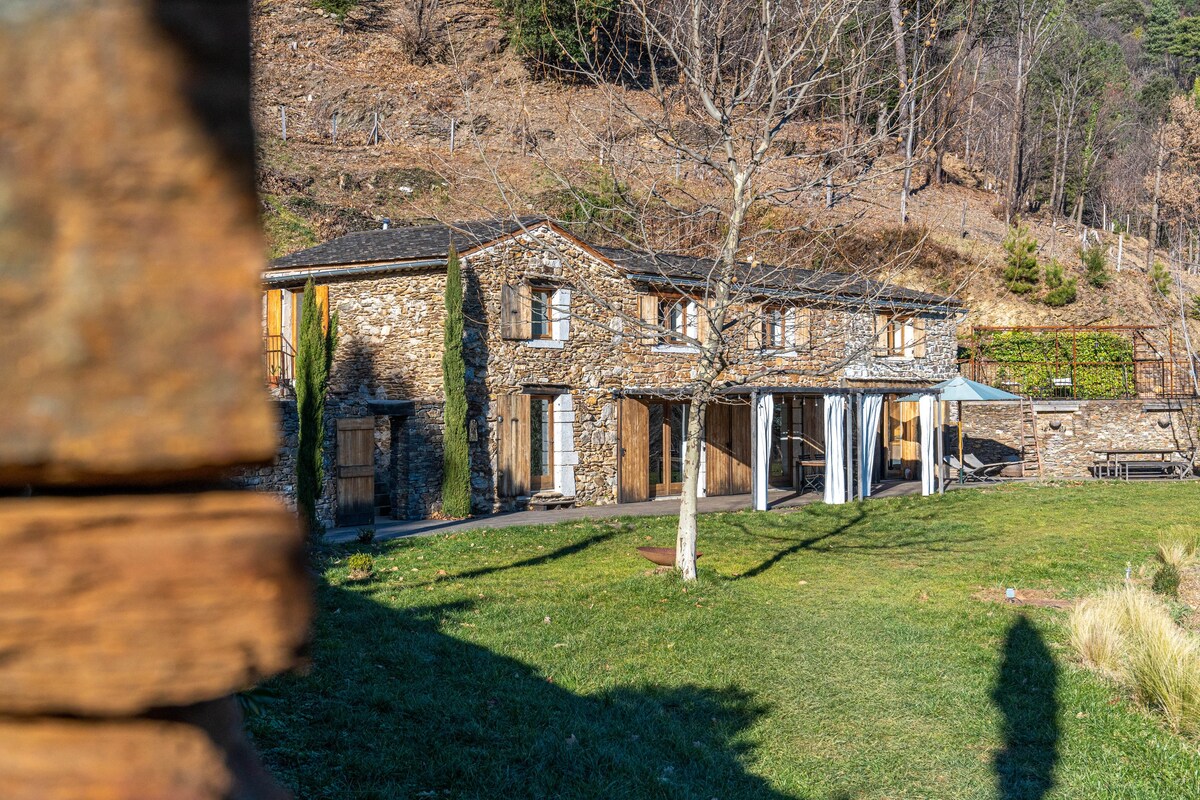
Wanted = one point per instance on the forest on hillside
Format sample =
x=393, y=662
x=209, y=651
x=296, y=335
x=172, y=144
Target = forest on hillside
x=1083, y=109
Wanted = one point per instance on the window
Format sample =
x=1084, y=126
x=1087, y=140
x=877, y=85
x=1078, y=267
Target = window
x=667, y=433
x=892, y=335
x=541, y=442
x=672, y=315
x=283, y=316
x=774, y=335
x=541, y=317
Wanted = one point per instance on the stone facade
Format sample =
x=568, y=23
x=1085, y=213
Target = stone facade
x=390, y=347
x=1069, y=432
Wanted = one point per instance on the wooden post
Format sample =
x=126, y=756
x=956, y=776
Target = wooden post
x=138, y=594
x=283, y=121
x=1120, y=249
x=333, y=124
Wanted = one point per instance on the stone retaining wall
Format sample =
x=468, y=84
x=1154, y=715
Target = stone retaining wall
x=1069, y=432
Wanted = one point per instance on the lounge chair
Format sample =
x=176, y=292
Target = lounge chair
x=991, y=470
x=970, y=473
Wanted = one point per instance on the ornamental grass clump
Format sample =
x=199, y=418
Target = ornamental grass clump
x=1128, y=635
x=1177, y=548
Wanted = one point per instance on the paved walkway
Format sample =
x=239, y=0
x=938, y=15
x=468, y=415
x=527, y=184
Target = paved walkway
x=779, y=499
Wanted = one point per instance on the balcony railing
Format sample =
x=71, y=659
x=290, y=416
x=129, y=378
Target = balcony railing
x=1151, y=369
x=280, y=361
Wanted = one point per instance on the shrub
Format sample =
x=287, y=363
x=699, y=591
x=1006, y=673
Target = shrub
x=1021, y=270
x=1129, y=635
x=1194, y=309
x=360, y=565
x=1095, y=265
x=338, y=8
x=365, y=535
x=555, y=34
x=1160, y=277
x=1062, y=289
x=1166, y=581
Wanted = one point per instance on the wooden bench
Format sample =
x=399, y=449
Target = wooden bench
x=550, y=503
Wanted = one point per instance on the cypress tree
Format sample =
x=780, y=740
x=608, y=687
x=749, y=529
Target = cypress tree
x=456, y=459
x=314, y=357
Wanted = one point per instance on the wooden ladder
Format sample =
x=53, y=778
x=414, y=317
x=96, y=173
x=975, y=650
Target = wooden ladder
x=1031, y=452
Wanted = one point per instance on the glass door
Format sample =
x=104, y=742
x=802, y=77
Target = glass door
x=667, y=433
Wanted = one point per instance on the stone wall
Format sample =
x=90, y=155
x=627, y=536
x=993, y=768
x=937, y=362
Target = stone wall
x=390, y=346
x=1068, y=432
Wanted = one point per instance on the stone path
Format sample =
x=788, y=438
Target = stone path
x=780, y=500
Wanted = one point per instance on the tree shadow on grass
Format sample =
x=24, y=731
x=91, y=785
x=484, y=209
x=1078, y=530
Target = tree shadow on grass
x=847, y=536
x=553, y=555
x=1025, y=693
x=394, y=707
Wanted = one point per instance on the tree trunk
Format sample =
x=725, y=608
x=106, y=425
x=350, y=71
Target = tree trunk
x=1018, y=133
x=1152, y=241
x=901, y=59
x=685, y=537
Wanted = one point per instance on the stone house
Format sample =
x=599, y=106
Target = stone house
x=577, y=361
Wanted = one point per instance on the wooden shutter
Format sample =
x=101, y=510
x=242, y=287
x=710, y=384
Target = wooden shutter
x=648, y=314
x=702, y=311
x=275, y=312
x=918, y=349
x=322, y=297
x=634, y=460
x=754, y=327
x=881, y=333
x=513, y=446
x=516, y=311
x=801, y=328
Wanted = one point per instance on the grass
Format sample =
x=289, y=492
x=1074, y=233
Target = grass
x=832, y=652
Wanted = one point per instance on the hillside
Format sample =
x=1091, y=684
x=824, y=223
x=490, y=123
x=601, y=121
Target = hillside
x=525, y=131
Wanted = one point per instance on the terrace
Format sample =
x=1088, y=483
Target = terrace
x=1082, y=362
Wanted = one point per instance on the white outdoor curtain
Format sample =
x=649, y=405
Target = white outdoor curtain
x=927, y=407
x=764, y=410
x=835, y=456
x=869, y=436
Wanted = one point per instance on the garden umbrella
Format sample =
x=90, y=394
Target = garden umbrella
x=960, y=389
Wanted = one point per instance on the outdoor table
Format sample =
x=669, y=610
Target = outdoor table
x=1115, y=462
x=812, y=473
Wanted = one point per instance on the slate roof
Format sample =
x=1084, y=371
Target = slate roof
x=769, y=277
x=402, y=243
x=432, y=242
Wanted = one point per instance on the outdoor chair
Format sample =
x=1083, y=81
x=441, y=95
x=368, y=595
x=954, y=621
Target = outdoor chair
x=983, y=473
x=992, y=470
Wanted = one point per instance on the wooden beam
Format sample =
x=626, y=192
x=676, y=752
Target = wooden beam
x=114, y=605
x=129, y=248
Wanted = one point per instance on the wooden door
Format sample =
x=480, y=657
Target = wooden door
x=728, y=452
x=634, y=462
x=740, y=448
x=356, y=471
x=718, y=452
x=513, y=446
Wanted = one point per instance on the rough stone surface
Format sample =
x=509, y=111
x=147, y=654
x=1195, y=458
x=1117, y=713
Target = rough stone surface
x=1068, y=435
x=391, y=346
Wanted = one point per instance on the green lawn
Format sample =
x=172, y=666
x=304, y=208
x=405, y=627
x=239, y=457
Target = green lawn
x=824, y=653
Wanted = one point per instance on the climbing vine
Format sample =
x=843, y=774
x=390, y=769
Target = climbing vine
x=1098, y=364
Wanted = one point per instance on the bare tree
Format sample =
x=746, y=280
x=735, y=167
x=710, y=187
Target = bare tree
x=1034, y=23
x=738, y=92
